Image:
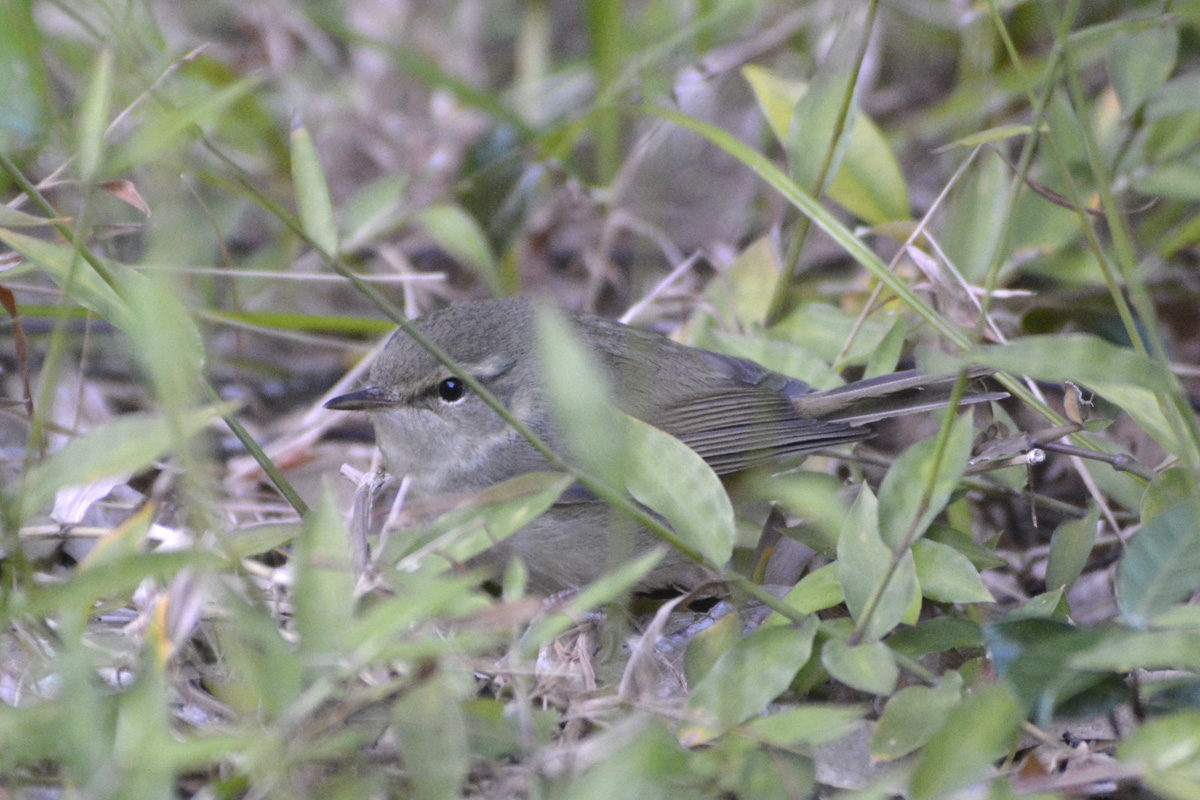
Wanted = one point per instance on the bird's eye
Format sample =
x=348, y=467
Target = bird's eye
x=452, y=390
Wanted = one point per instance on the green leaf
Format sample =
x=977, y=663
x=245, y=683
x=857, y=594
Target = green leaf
x=1070, y=546
x=324, y=584
x=811, y=724
x=312, y=193
x=1075, y=357
x=580, y=399
x=459, y=234
x=816, y=591
x=868, y=667
x=935, y=636
x=863, y=562
x=491, y=517
x=1168, y=752
x=1139, y=62
x=746, y=677
x=947, y=576
x=975, y=213
x=783, y=357
x=1161, y=565
x=870, y=184
x=432, y=734
x=913, y=715
x=81, y=282
x=1035, y=657
x=777, y=97
x=982, y=728
x=127, y=444
x=914, y=477
x=166, y=127
x=669, y=478
x=1126, y=651
x=742, y=292
x=167, y=342
x=989, y=135
x=93, y=116
x=883, y=361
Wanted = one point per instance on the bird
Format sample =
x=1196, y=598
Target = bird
x=733, y=412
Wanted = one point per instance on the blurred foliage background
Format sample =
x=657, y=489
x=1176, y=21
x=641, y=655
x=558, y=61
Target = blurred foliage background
x=211, y=209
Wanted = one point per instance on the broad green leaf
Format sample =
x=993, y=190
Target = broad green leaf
x=870, y=184
x=459, y=234
x=913, y=715
x=1126, y=651
x=323, y=597
x=127, y=444
x=868, y=667
x=1169, y=489
x=975, y=214
x=668, y=477
x=1047, y=605
x=777, y=97
x=710, y=644
x=822, y=329
x=743, y=291
x=167, y=343
x=1076, y=357
x=1161, y=566
x=746, y=678
x=432, y=735
x=989, y=135
x=812, y=724
x=935, y=636
x=1167, y=750
x=863, y=562
x=1070, y=546
x=1035, y=656
x=580, y=399
x=978, y=731
x=811, y=133
x=1139, y=62
x=947, y=576
x=883, y=361
x=312, y=193
x=93, y=116
x=816, y=591
x=783, y=357
x=915, y=477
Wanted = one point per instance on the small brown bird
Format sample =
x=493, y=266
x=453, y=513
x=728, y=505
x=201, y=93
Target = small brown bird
x=735, y=413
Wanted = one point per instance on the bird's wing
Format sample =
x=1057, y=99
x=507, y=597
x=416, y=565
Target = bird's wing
x=737, y=427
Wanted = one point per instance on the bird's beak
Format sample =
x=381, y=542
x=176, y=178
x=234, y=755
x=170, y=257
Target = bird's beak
x=369, y=399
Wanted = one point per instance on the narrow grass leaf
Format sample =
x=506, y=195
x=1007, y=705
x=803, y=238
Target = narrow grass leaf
x=979, y=730
x=746, y=678
x=93, y=116
x=312, y=192
x=81, y=282
x=1161, y=565
x=913, y=715
x=127, y=444
x=868, y=667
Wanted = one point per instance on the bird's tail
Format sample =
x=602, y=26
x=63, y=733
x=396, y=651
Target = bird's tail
x=909, y=392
